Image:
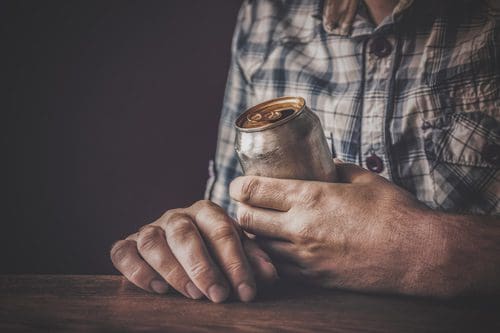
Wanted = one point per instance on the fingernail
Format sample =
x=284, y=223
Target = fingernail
x=158, y=286
x=269, y=269
x=192, y=291
x=217, y=293
x=246, y=292
x=264, y=257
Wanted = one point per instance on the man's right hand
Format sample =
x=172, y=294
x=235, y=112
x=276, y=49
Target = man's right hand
x=197, y=250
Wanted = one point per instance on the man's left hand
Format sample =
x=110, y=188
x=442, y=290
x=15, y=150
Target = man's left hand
x=363, y=233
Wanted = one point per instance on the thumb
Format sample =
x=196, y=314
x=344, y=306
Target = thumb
x=352, y=173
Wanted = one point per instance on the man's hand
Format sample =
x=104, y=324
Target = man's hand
x=197, y=250
x=363, y=234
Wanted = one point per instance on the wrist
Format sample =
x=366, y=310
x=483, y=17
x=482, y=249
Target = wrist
x=431, y=245
x=458, y=254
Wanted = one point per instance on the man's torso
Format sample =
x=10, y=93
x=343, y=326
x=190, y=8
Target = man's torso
x=415, y=99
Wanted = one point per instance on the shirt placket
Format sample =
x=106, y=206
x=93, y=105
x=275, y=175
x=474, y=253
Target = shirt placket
x=379, y=59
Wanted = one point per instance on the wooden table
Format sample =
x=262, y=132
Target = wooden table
x=49, y=303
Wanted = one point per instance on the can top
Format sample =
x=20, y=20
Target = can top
x=270, y=114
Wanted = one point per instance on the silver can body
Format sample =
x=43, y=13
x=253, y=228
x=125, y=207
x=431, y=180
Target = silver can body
x=283, y=138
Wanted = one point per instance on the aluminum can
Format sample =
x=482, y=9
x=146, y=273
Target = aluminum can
x=283, y=138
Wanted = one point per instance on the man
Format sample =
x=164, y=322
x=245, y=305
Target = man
x=407, y=92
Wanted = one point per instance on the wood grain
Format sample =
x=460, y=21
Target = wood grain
x=53, y=303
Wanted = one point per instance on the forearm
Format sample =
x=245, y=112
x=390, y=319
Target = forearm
x=461, y=255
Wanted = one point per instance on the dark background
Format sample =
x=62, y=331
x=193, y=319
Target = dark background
x=109, y=117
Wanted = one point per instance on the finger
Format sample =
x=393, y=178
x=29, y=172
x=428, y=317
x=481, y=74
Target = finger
x=352, y=173
x=263, y=192
x=263, y=222
x=188, y=247
x=264, y=270
x=153, y=248
x=126, y=259
x=220, y=235
x=281, y=250
x=290, y=271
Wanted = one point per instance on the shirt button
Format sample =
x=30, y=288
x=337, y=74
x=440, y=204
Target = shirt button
x=491, y=154
x=380, y=47
x=374, y=163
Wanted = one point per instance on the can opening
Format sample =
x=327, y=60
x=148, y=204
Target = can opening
x=270, y=113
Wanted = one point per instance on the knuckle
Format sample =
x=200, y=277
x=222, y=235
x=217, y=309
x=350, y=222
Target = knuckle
x=310, y=195
x=233, y=267
x=180, y=229
x=249, y=188
x=120, y=251
x=169, y=213
x=149, y=238
x=304, y=232
x=136, y=274
x=222, y=233
x=245, y=218
x=176, y=217
x=199, y=270
x=208, y=213
x=203, y=204
x=175, y=274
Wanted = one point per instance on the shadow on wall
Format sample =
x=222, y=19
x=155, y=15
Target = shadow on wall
x=110, y=116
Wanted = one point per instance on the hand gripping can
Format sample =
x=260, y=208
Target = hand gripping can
x=283, y=138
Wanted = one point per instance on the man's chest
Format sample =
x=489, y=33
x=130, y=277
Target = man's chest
x=420, y=110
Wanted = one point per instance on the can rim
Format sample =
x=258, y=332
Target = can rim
x=286, y=102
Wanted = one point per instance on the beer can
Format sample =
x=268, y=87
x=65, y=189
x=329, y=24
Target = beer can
x=283, y=138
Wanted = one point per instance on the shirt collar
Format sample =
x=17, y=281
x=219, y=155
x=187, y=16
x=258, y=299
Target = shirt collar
x=339, y=15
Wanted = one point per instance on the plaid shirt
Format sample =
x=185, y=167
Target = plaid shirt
x=414, y=99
